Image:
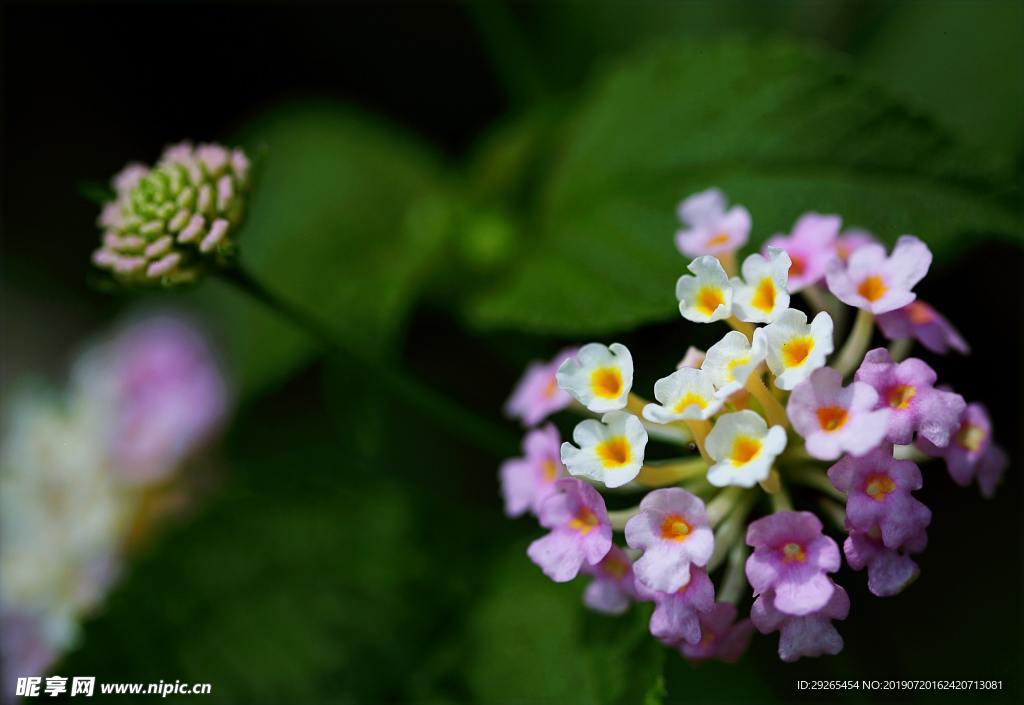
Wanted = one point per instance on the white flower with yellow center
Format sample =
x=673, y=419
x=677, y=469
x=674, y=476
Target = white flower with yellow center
x=706, y=296
x=794, y=349
x=761, y=296
x=743, y=448
x=600, y=377
x=731, y=361
x=610, y=450
x=687, y=393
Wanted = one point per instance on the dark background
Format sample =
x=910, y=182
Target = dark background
x=356, y=553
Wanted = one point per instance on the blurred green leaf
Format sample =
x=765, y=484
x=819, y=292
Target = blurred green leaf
x=782, y=129
x=336, y=226
x=962, y=61
x=532, y=641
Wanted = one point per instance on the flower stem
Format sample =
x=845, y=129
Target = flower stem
x=656, y=474
x=813, y=477
x=856, y=343
x=724, y=503
x=467, y=425
x=780, y=499
x=700, y=430
x=743, y=327
x=735, y=578
x=899, y=349
x=728, y=262
x=834, y=511
x=731, y=530
x=619, y=517
x=773, y=408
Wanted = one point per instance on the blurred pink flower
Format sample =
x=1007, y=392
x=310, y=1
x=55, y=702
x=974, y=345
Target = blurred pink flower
x=159, y=382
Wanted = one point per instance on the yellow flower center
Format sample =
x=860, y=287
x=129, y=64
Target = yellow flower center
x=584, y=521
x=709, y=298
x=793, y=553
x=872, y=288
x=615, y=452
x=744, y=449
x=796, y=350
x=920, y=313
x=550, y=470
x=899, y=396
x=675, y=528
x=690, y=399
x=730, y=367
x=551, y=387
x=971, y=437
x=718, y=239
x=832, y=418
x=606, y=382
x=878, y=486
x=764, y=296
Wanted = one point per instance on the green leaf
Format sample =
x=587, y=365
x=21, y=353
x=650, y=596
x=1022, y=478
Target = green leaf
x=532, y=641
x=977, y=89
x=780, y=128
x=339, y=225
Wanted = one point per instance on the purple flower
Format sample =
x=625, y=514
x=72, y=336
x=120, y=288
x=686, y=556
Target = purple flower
x=791, y=558
x=612, y=589
x=877, y=488
x=971, y=453
x=712, y=230
x=672, y=530
x=877, y=283
x=526, y=482
x=923, y=323
x=676, y=614
x=811, y=246
x=161, y=385
x=806, y=635
x=721, y=637
x=537, y=394
x=25, y=649
x=580, y=530
x=907, y=390
x=889, y=570
x=834, y=419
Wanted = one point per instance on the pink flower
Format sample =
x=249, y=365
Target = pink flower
x=672, y=530
x=712, y=229
x=676, y=616
x=852, y=240
x=811, y=246
x=613, y=588
x=790, y=560
x=721, y=637
x=923, y=323
x=877, y=488
x=834, y=419
x=915, y=405
x=537, y=394
x=805, y=635
x=526, y=482
x=877, y=283
x=971, y=454
x=580, y=530
x=694, y=357
x=160, y=382
x=889, y=571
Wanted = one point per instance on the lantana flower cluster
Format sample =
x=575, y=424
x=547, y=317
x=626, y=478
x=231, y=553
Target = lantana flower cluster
x=86, y=472
x=774, y=405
